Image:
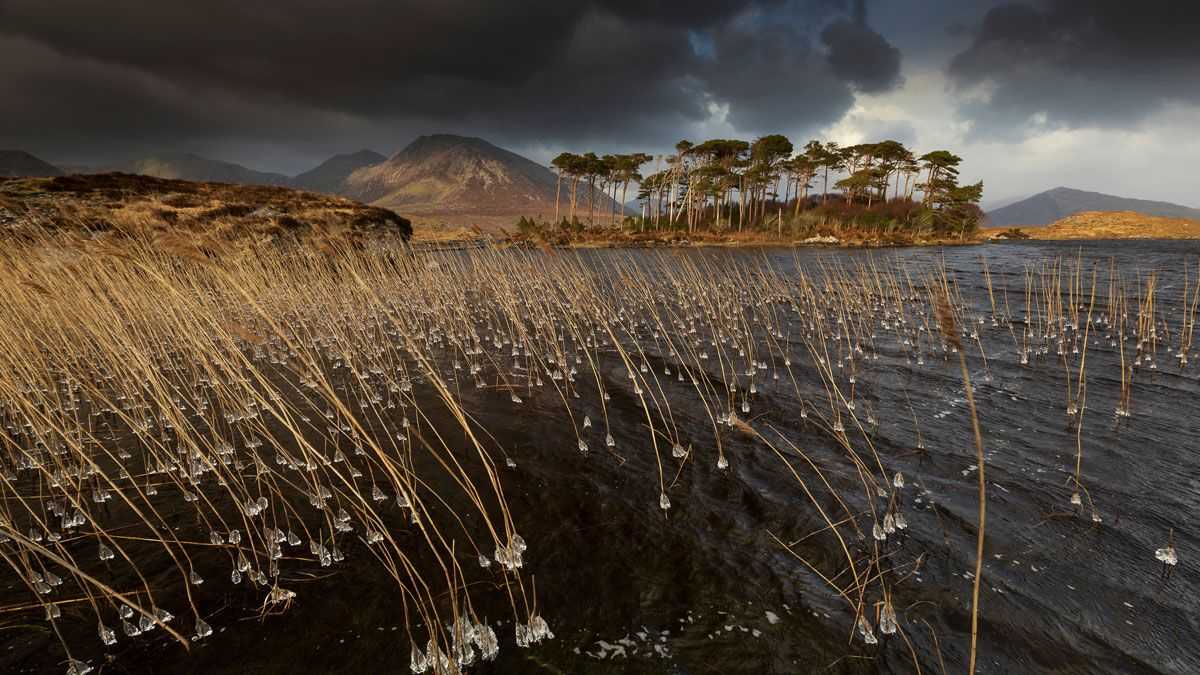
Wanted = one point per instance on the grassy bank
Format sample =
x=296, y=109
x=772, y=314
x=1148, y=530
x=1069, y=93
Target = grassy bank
x=126, y=205
x=1104, y=225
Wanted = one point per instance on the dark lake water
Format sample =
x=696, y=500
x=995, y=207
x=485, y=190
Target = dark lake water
x=707, y=587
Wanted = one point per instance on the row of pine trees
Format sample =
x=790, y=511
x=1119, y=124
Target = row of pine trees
x=736, y=184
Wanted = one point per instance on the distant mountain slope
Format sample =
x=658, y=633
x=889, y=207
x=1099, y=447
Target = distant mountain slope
x=187, y=166
x=19, y=163
x=1052, y=205
x=464, y=181
x=330, y=176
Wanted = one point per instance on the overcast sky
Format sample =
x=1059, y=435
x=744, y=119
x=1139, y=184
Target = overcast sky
x=1095, y=94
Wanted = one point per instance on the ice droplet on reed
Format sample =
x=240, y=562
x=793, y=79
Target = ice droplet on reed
x=678, y=452
x=78, y=667
x=540, y=629
x=107, y=635
x=610, y=441
x=878, y=533
x=864, y=629
x=485, y=639
x=1167, y=555
x=583, y=447
x=722, y=463
x=1075, y=499
x=533, y=633
x=664, y=502
x=898, y=481
x=203, y=630
x=522, y=635
x=278, y=595
x=419, y=663
x=887, y=619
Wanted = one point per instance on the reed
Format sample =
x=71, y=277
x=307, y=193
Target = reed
x=227, y=411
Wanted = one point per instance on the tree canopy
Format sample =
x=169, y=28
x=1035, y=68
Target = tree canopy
x=767, y=183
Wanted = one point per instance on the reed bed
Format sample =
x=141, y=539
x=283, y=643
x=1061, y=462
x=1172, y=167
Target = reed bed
x=233, y=412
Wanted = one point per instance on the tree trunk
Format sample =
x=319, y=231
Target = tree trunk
x=741, y=202
x=624, y=191
x=591, y=201
x=574, y=196
x=557, y=191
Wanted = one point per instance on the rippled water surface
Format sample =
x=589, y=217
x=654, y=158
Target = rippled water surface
x=709, y=586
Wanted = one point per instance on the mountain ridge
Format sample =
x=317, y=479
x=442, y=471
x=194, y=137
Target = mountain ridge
x=190, y=166
x=20, y=164
x=464, y=180
x=1057, y=203
x=330, y=176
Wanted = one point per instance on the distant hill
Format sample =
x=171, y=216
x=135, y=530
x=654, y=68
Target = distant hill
x=186, y=166
x=460, y=180
x=18, y=163
x=123, y=204
x=330, y=176
x=1119, y=225
x=1051, y=205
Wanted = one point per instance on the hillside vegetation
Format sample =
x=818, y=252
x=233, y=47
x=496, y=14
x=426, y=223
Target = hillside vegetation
x=128, y=205
x=1118, y=225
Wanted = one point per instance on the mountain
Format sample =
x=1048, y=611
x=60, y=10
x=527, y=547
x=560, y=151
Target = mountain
x=20, y=163
x=187, y=166
x=1052, y=205
x=330, y=176
x=465, y=181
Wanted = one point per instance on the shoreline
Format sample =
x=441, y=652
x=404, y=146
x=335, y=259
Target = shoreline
x=585, y=243
x=643, y=242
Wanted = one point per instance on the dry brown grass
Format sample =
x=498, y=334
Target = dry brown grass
x=219, y=374
x=1110, y=225
x=143, y=206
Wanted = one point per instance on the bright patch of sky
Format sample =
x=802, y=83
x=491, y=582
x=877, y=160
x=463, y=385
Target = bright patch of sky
x=1126, y=162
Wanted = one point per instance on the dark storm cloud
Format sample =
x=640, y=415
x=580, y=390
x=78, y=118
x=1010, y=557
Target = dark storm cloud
x=1067, y=63
x=79, y=77
x=861, y=56
x=773, y=77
